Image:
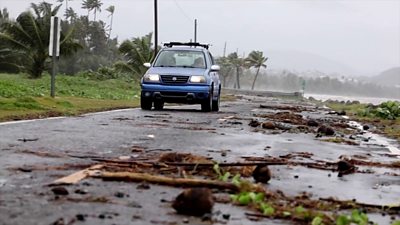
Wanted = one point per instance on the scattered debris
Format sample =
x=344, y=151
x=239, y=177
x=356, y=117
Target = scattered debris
x=60, y=191
x=28, y=139
x=60, y=221
x=283, y=107
x=44, y=154
x=194, y=202
x=345, y=167
x=183, y=182
x=326, y=130
x=76, y=177
x=262, y=174
x=143, y=186
x=268, y=125
x=312, y=123
x=254, y=123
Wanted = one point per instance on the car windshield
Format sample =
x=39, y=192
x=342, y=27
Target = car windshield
x=181, y=58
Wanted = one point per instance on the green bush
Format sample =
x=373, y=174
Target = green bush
x=389, y=110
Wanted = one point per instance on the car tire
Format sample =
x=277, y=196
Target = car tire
x=145, y=103
x=215, y=104
x=206, y=106
x=158, y=105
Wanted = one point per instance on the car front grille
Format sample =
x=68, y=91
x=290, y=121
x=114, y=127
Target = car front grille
x=171, y=79
x=173, y=94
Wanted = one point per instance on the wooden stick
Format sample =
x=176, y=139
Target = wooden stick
x=186, y=182
x=394, y=207
x=225, y=164
x=76, y=177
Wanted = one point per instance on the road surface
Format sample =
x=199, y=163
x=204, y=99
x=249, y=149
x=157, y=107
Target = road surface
x=35, y=153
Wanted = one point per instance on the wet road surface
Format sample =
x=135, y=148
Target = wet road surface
x=33, y=153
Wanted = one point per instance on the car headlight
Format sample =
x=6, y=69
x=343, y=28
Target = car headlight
x=197, y=79
x=151, y=77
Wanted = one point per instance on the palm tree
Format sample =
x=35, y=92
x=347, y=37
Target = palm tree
x=66, y=4
x=111, y=10
x=226, y=68
x=257, y=60
x=96, y=6
x=70, y=14
x=28, y=36
x=239, y=64
x=87, y=4
x=136, y=52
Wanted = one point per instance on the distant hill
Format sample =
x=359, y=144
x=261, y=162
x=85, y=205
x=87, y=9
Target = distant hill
x=303, y=61
x=390, y=77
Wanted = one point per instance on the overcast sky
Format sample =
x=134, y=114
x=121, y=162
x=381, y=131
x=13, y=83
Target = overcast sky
x=363, y=34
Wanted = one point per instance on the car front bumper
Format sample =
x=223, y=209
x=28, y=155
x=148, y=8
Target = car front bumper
x=191, y=94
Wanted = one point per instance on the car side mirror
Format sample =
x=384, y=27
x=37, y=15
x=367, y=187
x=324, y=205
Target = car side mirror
x=148, y=65
x=215, y=68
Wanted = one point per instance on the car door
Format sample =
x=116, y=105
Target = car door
x=214, y=76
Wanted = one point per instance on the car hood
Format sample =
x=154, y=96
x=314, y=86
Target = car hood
x=177, y=71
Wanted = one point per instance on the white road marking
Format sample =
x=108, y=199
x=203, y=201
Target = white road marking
x=34, y=120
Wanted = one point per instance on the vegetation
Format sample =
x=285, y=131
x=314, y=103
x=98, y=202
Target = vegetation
x=136, y=52
x=28, y=37
x=386, y=116
x=75, y=95
x=257, y=60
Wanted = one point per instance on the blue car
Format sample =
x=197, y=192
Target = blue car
x=181, y=73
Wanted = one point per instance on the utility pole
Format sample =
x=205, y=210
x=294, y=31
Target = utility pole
x=54, y=50
x=225, y=49
x=195, y=30
x=155, y=28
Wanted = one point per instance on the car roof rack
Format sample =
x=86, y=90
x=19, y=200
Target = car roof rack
x=191, y=44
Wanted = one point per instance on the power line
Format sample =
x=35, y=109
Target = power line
x=183, y=11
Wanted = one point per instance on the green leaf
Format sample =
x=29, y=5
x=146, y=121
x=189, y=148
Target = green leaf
x=299, y=209
x=343, y=220
x=259, y=197
x=267, y=209
x=217, y=169
x=236, y=180
x=244, y=199
x=317, y=221
x=286, y=213
x=252, y=195
x=225, y=177
x=234, y=197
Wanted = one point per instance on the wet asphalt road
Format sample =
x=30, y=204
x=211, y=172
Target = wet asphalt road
x=25, y=198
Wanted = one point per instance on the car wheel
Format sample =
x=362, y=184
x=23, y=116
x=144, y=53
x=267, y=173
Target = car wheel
x=145, y=103
x=158, y=105
x=215, y=104
x=207, y=104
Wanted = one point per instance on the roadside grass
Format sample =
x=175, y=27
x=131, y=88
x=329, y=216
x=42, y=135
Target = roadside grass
x=23, y=98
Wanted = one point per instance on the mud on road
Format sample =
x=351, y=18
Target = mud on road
x=315, y=160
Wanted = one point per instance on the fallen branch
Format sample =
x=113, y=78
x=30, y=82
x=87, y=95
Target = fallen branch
x=351, y=204
x=155, y=179
x=224, y=164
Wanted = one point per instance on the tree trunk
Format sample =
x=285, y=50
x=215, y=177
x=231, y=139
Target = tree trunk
x=237, y=77
x=111, y=23
x=255, y=78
